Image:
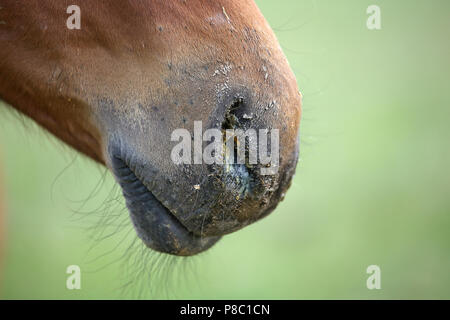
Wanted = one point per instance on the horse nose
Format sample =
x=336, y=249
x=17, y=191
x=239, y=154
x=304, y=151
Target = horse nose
x=179, y=200
x=247, y=180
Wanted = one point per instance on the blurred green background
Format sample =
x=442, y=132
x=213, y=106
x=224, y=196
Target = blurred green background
x=372, y=185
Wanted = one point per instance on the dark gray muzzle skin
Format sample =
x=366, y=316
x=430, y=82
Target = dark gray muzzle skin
x=183, y=209
x=157, y=227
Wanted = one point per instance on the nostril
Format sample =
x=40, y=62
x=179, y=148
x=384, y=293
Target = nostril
x=237, y=170
x=237, y=133
x=238, y=178
x=231, y=120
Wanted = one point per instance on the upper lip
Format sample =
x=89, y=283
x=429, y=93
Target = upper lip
x=155, y=224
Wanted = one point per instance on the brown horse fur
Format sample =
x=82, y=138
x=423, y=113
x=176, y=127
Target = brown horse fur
x=137, y=70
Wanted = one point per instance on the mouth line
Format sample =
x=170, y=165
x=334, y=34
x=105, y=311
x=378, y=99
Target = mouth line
x=136, y=188
x=154, y=223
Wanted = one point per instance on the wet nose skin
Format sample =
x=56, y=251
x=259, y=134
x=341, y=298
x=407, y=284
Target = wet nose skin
x=231, y=196
x=250, y=88
x=204, y=200
x=183, y=209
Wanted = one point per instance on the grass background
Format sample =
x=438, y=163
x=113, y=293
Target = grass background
x=372, y=185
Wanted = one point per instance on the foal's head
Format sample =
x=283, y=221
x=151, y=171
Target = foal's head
x=138, y=74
